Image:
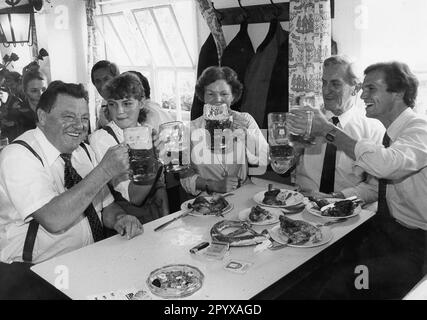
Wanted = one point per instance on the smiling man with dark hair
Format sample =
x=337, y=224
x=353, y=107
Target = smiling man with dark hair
x=53, y=192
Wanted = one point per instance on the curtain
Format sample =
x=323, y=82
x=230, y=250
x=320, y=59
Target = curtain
x=309, y=46
x=91, y=58
x=208, y=13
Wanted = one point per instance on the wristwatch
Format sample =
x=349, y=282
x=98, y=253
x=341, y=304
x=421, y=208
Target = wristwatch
x=330, y=136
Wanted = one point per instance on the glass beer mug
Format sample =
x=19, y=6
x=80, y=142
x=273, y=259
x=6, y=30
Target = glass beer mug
x=304, y=138
x=217, y=121
x=281, y=151
x=142, y=161
x=175, y=155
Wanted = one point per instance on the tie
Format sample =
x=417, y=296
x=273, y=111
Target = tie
x=71, y=177
x=382, y=186
x=327, y=180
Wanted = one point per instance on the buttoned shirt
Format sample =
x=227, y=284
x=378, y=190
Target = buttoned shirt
x=26, y=185
x=404, y=164
x=347, y=180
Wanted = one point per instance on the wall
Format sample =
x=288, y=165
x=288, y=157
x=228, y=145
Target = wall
x=66, y=44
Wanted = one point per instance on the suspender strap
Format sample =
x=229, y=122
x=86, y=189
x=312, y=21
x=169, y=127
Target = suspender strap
x=26, y=145
x=30, y=238
x=83, y=145
x=111, y=132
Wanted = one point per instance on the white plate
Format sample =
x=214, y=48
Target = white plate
x=310, y=208
x=244, y=216
x=295, y=199
x=184, y=207
x=326, y=237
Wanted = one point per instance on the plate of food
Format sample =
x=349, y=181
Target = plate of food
x=300, y=234
x=341, y=208
x=236, y=233
x=207, y=206
x=279, y=198
x=260, y=216
x=175, y=281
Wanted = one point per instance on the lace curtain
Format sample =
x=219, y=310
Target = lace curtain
x=309, y=45
x=92, y=56
x=208, y=13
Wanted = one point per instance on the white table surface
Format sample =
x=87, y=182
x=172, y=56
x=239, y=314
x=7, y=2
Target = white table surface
x=419, y=292
x=116, y=263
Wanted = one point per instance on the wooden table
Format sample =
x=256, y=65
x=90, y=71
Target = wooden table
x=116, y=263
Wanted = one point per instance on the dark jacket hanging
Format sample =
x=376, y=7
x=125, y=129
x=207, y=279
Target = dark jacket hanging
x=237, y=55
x=266, y=79
x=208, y=57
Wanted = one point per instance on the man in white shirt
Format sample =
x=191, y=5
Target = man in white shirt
x=339, y=89
x=395, y=250
x=54, y=183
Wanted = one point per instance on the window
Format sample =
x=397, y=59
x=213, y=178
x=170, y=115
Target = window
x=395, y=30
x=158, y=39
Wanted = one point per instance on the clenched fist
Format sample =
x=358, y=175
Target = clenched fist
x=116, y=160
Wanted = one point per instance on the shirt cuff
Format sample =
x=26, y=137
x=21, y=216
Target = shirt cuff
x=189, y=184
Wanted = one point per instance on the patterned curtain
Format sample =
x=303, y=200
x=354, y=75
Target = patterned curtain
x=208, y=13
x=92, y=56
x=309, y=46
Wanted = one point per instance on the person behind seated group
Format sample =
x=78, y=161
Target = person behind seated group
x=324, y=176
x=101, y=73
x=395, y=249
x=211, y=170
x=53, y=191
x=34, y=83
x=125, y=96
x=154, y=111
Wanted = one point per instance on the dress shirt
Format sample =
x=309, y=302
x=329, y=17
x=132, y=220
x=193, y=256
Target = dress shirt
x=404, y=164
x=347, y=180
x=26, y=186
x=101, y=141
x=210, y=165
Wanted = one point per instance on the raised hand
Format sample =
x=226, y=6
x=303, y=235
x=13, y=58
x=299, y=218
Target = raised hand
x=116, y=160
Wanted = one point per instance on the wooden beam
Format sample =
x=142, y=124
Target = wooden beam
x=258, y=13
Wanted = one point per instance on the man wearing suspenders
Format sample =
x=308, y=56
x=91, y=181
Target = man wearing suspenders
x=53, y=193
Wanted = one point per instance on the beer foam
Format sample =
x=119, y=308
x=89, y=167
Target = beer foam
x=215, y=112
x=138, y=137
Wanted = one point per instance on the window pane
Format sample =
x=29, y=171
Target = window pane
x=114, y=48
x=132, y=45
x=172, y=36
x=186, y=83
x=187, y=24
x=154, y=41
x=167, y=89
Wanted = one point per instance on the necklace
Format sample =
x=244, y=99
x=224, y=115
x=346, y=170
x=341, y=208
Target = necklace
x=221, y=162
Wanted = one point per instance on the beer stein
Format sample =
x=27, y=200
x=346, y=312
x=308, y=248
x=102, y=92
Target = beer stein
x=280, y=148
x=142, y=161
x=175, y=153
x=218, y=122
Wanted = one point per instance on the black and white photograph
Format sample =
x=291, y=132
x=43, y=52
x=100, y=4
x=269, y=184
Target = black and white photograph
x=213, y=157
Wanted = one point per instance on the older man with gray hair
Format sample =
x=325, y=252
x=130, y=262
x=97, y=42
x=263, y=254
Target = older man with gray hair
x=322, y=170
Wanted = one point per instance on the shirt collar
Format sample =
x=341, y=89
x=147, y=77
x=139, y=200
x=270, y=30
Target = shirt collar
x=347, y=116
x=399, y=123
x=49, y=150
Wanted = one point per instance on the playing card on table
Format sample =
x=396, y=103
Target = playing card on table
x=237, y=266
